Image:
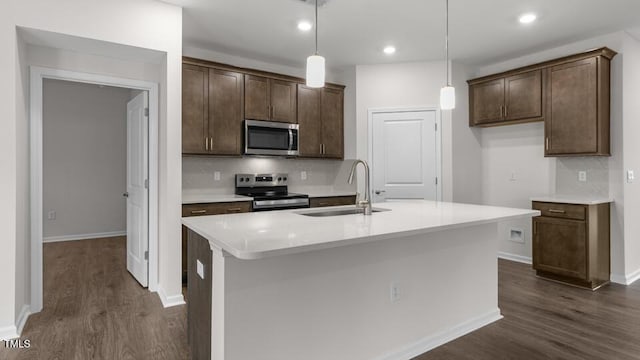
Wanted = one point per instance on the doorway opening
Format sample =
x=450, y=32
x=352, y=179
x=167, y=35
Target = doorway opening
x=94, y=169
x=405, y=154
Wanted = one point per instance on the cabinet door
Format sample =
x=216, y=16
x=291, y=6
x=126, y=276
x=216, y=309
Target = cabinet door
x=560, y=246
x=256, y=97
x=283, y=101
x=195, y=111
x=332, y=102
x=225, y=112
x=571, y=124
x=309, y=118
x=199, y=294
x=523, y=96
x=487, y=102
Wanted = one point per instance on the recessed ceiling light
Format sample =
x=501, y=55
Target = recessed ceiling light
x=389, y=50
x=527, y=18
x=304, y=25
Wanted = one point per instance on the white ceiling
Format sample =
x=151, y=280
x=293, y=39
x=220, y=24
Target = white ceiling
x=355, y=31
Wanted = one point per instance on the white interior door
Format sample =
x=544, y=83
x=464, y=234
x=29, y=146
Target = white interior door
x=404, y=155
x=137, y=188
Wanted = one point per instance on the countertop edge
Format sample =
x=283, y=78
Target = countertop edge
x=257, y=255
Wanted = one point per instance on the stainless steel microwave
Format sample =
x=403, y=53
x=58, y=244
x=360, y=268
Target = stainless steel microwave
x=270, y=138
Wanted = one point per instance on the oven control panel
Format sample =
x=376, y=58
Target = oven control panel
x=263, y=180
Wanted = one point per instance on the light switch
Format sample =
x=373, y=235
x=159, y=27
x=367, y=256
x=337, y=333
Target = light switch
x=630, y=176
x=216, y=175
x=200, y=269
x=303, y=175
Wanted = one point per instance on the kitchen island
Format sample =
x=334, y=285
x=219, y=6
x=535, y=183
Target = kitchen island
x=284, y=285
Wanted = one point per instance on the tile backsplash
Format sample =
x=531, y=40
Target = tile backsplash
x=322, y=175
x=597, y=169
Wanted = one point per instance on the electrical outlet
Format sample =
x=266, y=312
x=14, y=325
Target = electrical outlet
x=51, y=215
x=630, y=176
x=394, y=292
x=303, y=175
x=582, y=176
x=513, y=176
x=200, y=269
x=516, y=235
x=216, y=176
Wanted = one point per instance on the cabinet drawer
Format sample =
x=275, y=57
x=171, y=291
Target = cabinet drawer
x=566, y=211
x=332, y=201
x=215, y=208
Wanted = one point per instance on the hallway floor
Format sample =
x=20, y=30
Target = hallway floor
x=94, y=309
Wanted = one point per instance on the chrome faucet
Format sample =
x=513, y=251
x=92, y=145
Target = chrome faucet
x=366, y=203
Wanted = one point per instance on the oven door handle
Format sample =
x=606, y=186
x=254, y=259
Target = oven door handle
x=281, y=203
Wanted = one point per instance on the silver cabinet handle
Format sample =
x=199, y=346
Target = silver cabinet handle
x=206, y=143
x=378, y=192
x=557, y=211
x=198, y=212
x=211, y=144
x=506, y=111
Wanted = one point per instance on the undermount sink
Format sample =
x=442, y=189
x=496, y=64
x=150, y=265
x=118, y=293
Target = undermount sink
x=351, y=211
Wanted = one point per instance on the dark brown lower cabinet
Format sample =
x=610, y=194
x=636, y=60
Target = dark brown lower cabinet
x=199, y=297
x=207, y=209
x=332, y=201
x=571, y=243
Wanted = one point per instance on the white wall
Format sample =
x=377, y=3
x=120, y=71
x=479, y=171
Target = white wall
x=466, y=147
x=519, y=148
x=143, y=24
x=631, y=115
x=85, y=158
x=402, y=85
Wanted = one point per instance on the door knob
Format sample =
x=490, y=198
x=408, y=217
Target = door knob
x=126, y=194
x=378, y=192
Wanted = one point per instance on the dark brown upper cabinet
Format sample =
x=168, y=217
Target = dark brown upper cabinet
x=570, y=94
x=217, y=98
x=577, y=119
x=321, y=119
x=195, y=109
x=270, y=99
x=506, y=100
x=212, y=108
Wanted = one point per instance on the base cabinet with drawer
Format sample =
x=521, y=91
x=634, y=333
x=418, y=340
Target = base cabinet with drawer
x=332, y=201
x=571, y=243
x=207, y=209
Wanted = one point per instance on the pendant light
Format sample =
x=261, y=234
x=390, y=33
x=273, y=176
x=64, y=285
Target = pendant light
x=447, y=93
x=315, y=63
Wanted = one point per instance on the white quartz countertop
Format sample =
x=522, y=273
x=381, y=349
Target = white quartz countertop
x=204, y=198
x=573, y=199
x=263, y=234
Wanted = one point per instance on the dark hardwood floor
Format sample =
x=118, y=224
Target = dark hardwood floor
x=546, y=320
x=94, y=309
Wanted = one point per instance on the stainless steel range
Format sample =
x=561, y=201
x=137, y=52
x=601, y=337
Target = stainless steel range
x=269, y=192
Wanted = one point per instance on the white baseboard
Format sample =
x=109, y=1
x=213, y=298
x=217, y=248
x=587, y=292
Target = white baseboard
x=169, y=301
x=14, y=331
x=22, y=318
x=431, y=342
x=626, y=279
x=84, y=236
x=516, y=258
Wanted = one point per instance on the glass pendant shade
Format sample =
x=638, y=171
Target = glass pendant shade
x=447, y=98
x=315, y=71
